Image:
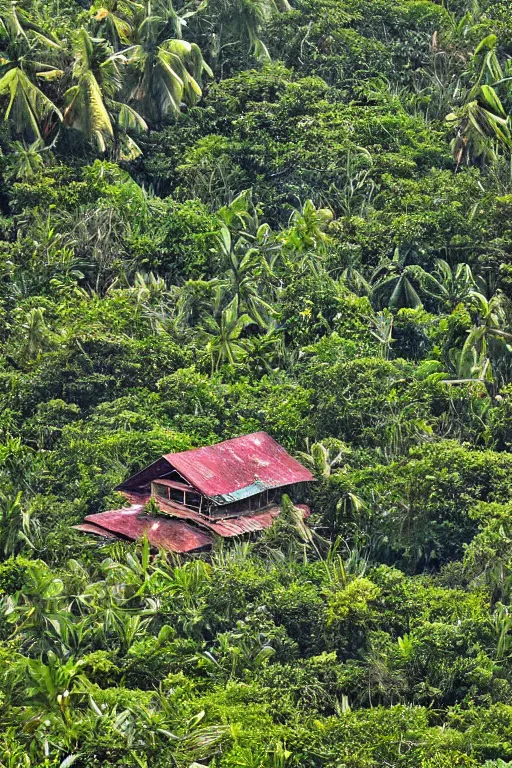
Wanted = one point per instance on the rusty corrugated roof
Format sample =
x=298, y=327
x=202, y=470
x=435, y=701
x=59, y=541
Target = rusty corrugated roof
x=90, y=528
x=222, y=470
x=174, y=533
x=164, y=533
x=231, y=470
x=232, y=526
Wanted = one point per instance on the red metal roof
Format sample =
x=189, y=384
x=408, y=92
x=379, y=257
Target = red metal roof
x=224, y=468
x=229, y=471
x=90, y=528
x=171, y=534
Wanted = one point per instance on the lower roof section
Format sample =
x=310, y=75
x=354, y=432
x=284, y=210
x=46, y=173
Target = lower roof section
x=90, y=528
x=178, y=529
x=162, y=533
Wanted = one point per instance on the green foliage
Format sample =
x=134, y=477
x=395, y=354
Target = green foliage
x=316, y=242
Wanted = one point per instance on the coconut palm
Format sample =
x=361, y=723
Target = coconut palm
x=115, y=20
x=31, y=113
x=165, y=69
x=91, y=104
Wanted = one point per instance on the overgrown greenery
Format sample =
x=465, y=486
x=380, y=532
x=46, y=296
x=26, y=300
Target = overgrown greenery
x=222, y=217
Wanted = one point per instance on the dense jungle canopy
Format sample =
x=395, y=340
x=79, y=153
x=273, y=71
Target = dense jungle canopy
x=224, y=216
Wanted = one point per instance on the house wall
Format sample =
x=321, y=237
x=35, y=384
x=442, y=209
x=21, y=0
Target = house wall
x=190, y=499
x=198, y=503
x=244, y=506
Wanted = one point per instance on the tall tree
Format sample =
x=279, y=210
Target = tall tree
x=165, y=69
x=92, y=105
x=23, y=48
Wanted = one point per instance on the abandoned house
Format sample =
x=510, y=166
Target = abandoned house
x=226, y=490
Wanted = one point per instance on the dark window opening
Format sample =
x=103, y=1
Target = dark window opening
x=176, y=495
x=192, y=499
x=161, y=490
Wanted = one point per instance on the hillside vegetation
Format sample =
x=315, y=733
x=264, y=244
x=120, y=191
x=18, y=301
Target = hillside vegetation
x=221, y=217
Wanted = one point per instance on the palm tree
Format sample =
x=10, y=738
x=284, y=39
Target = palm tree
x=223, y=335
x=91, y=105
x=448, y=286
x=246, y=19
x=166, y=70
x=482, y=124
x=31, y=113
x=115, y=19
x=392, y=287
x=241, y=277
x=243, y=20
x=25, y=161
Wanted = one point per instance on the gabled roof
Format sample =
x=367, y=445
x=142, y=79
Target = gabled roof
x=232, y=470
